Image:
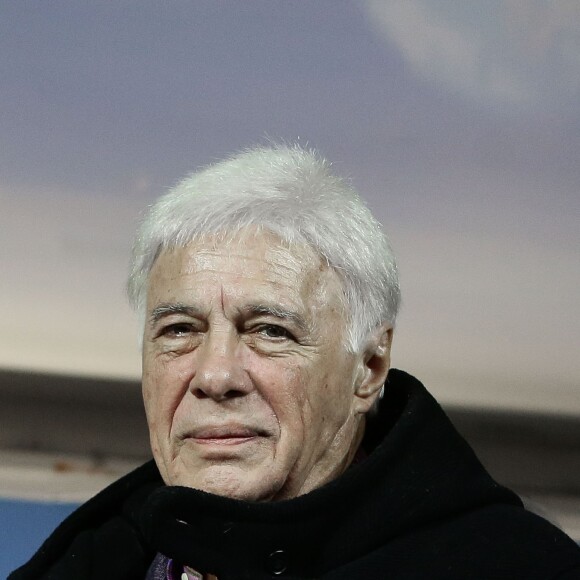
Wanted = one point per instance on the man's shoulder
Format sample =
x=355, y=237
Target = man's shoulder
x=497, y=541
x=104, y=528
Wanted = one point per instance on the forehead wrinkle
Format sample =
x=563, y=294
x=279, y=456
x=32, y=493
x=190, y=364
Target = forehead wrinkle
x=276, y=266
x=283, y=261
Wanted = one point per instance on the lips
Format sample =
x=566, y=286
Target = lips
x=224, y=434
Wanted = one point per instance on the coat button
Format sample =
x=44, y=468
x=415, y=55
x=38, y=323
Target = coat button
x=277, y=562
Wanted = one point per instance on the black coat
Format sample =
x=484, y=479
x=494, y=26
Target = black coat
x=420, y=506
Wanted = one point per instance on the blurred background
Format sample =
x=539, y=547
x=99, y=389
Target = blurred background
x=459, y=123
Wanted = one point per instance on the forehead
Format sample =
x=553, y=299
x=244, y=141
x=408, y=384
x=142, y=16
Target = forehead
x=257, y=262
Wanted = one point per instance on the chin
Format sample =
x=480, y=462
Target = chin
x=232, y=482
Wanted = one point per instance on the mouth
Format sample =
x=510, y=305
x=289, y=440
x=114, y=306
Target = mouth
x=225, y=435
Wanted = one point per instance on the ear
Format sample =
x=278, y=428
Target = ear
x=374, y=366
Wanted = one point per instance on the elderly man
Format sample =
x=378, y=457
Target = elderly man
x=283, y=445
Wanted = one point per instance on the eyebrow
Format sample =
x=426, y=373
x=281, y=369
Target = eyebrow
x=278, y=312
x=169, y=308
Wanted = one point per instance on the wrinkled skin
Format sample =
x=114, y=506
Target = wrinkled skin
x=248, y=388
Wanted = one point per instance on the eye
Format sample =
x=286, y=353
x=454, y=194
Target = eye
x=177, y=330
x=274, y=331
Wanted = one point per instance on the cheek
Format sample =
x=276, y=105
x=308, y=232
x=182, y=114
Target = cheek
x=332, y=396
x=164, y=385
x=289, y=398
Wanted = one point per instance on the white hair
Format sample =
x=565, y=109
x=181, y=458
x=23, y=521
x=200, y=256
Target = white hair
x=291, y=192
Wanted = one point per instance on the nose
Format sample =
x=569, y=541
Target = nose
x=219, y=374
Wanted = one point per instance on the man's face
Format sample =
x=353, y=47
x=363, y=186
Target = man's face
x=248, y=389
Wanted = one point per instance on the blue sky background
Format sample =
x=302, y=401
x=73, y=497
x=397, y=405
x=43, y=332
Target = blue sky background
x=108, y=97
